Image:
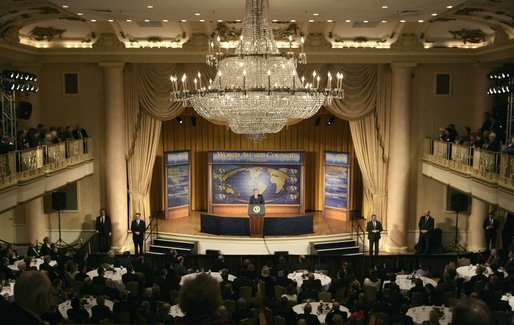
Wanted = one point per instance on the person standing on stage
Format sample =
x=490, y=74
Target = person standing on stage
x=491, y=225
x=256, y=198
x=138, y=233
x=373, y=228
x=425, y=225
x=104, y=231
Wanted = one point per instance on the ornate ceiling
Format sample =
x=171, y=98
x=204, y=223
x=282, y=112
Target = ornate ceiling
x=383, y=24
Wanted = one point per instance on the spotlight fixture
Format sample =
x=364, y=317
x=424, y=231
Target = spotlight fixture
x=18, y=81
x=331, y=120
x=499, y=90
x=500, y=75
x=193, y=121
x=179, y=120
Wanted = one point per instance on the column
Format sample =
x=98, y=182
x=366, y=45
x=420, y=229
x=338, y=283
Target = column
x=476, y=236
x=114, y=152
x=399, y=153
x=37, y=222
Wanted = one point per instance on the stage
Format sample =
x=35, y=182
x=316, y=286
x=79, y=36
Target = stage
x=189, y=228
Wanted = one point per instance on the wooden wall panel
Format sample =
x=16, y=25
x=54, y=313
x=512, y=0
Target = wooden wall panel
x=305, y=136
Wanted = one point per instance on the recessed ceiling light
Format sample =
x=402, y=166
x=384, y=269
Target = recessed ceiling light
x=365, y=21
x=197, y=14
x=183, y=21
x=449, y=7
x=147, y=20
x=79, y=14
x=93, y=20
x=384, y=21
x=165, y=20
x=274, y=20
x=65, y=6
x=110, y=20
x=315, y=14
x=293, y=20
x=311, y=20
x=129, y=20
x=420, y=21
x=149, y=7
x=402, y=21
x=220, y=20
x=347, y=21
x=330, y=21
x=238, y=20
x=434, y=14
x=385, y=7
x=202, y=20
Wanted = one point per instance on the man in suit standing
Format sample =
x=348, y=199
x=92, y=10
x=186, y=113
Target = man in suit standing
x=373, y=228
x=104, y=231
x=256, y=198
x=491, y=225
x=138, y=233
x=426, y=226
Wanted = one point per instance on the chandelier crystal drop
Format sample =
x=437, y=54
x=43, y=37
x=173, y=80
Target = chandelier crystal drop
x=256, y=89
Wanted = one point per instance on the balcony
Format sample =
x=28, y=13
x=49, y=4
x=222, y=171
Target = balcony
x=484, y=174
x=27, y=174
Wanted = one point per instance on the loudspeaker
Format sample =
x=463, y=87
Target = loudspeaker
x=459, y=202
x=212, y=252
x=355, y=215
x=24, y=110
x=59, y=201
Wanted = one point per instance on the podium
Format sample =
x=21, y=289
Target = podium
x=256, y=213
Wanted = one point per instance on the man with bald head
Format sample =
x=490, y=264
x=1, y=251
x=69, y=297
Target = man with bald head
x=426, y=226
x=32, y=299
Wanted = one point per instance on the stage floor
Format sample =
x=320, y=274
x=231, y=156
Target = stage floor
x=191, y=225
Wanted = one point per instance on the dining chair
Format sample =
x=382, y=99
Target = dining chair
x=279, y=291
x=325, y=296
x=371, y=293
x=417, y=299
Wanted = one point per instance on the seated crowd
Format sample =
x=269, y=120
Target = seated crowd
x=264, y=295
x=490, y=136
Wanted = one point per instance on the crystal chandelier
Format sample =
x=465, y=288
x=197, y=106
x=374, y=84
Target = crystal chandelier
x=256, y=89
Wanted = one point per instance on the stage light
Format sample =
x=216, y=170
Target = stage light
x=18, y=81
x=179, y=120
x=331, y=120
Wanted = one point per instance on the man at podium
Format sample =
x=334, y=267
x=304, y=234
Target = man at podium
x=256, y=198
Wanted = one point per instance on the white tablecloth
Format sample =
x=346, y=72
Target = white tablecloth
x=8, y=290
x=406, y=283
x=298, y=277
x=215, y=275
x=35, y=262
x=90, y=302
x=298, y=309
x=422, y=314
x=510, y=298
x=175, y=311
x=114, y=275
x=466, y=272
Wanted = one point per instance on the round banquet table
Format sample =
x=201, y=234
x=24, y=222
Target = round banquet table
x=215, y=275
x=466, y=272
x=35, y=262
x=175, y=311
x=405, y=282
x=114, y=275
x=510, y=298
x=87, y=302
x=299, y=278
x=298, y=309
x=422, y=314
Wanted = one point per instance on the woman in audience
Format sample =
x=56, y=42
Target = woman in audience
x=373, y=280
x=290, y=294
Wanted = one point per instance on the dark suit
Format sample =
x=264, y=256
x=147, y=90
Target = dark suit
x=45, y=250
x=138, y=239
x=100, y=312
x=104, y=229
x=425, y=223
x=490, y=233
x=374, y=237
x=33, y=252
x=258, y=200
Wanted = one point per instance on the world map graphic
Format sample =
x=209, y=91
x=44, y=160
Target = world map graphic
x=235, y=184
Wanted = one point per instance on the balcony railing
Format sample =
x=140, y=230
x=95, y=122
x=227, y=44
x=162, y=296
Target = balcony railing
x=26, y=164
x=489, y=166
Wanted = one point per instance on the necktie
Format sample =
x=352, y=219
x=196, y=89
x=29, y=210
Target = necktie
x=375, y=224
x=102, y=219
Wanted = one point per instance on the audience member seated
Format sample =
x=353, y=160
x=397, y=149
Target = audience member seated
x=373, y=280
x=335, y=311
x=301, y=264
x=509, y=148
x=471, y=311
x=100, y=311
x=311, y=281
x=99, y=280
x=422, y=271
x=242, y=311
x=290, y=294
x=32, y=251
x=282, y=279
x=199, y=300
x=308, y=294
x=310, y=319
x=45, y=247
x=77, y=314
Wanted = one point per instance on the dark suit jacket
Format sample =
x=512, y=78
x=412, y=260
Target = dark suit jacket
x=258, y=200
x=496, y=225
x=141, y=228
x=45, y=250
x=426, y=225
x=33, y=252
x=100, y=312
x=369, y=228
x=105, y=228
x=129, y=277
